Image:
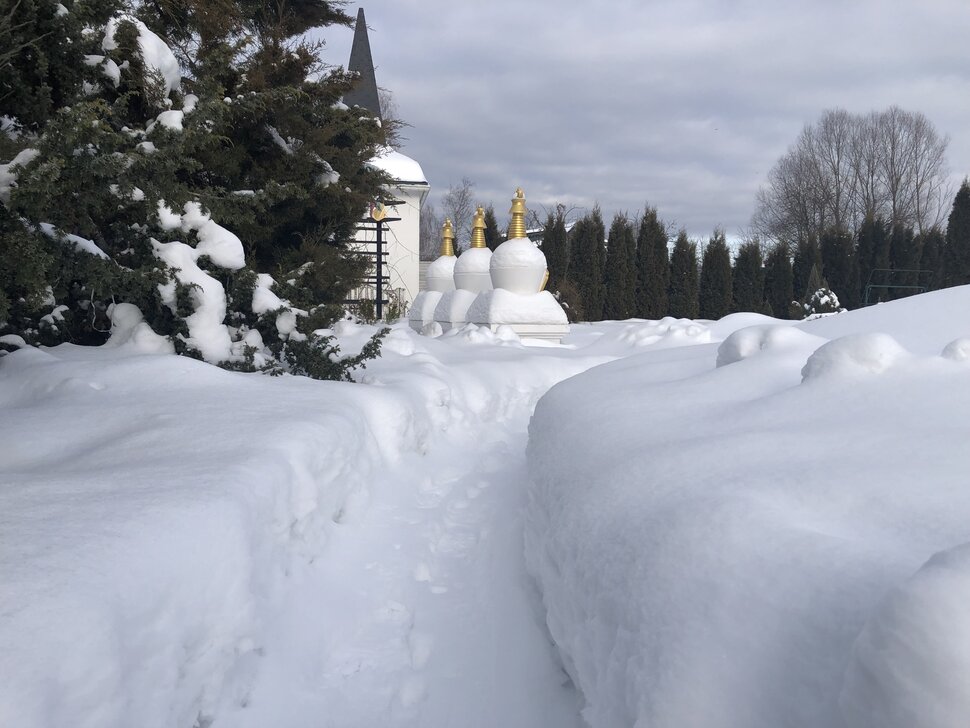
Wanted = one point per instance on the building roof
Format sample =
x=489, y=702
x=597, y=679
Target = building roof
x=364, y=94
x=399, y=166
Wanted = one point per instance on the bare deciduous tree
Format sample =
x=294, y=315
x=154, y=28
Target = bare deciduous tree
x=430, y=232
x=843, y=168
x=459, y=205
x=391, y=118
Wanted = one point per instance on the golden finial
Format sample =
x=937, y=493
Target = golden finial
x=447, y=238
x=478, y=229
x=518, y=213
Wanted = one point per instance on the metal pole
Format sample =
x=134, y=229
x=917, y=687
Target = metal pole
x=380, y=271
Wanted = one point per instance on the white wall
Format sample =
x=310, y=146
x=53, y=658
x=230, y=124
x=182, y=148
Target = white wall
x=403, y=244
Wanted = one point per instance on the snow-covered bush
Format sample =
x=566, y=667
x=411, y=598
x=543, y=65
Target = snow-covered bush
x=822, y=303
x=199, y=188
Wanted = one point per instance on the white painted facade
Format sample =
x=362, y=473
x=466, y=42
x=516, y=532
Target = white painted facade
x=402, y=236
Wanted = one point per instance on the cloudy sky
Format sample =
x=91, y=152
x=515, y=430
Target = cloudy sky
x=682, y=104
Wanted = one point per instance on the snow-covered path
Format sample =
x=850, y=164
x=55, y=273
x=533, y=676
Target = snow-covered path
x=228, y=550
x=422, y=613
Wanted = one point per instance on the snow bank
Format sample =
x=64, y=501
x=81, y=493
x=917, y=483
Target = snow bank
x=753, y=340
x=145, y=538
x=156, y=512
x=852, y=355
x=909, y=666
x=711, y=540
x=129, y=330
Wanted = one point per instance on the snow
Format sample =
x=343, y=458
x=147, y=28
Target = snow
x=130, y=331
x=167, y=217
x=9, y=127
x=423, y=307
x=502, y=306
x=207, y=333
x=110, y=69
x=853, y=355
x=156, y=55
x=452, y=307
x=8, y=175
x=263, y=297
x=471, y=270
x=179, y=552
x=398, y=166
x=222, y=247
x=171, y=119
x=715, y=528
x=12, y=340
x=912, y=654
x=80, y=244
x=518, y=253
x=441, y=273
x=746, y=523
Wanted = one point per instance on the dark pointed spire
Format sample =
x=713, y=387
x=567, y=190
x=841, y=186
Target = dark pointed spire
x=364, y=93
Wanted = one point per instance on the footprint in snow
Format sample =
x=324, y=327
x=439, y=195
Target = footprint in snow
x=412, y=691
x=420, y=645
x=422, y=572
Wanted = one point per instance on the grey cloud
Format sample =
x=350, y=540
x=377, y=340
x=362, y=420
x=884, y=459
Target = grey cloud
x=682, y=104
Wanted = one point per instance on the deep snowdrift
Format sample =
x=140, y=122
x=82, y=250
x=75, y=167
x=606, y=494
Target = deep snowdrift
x=725, y=536
x=158, y=515
x=729, y=523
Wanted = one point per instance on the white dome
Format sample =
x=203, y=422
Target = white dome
x=441, y=274
x=472, y=270
x=399, y=166
x=518, y=266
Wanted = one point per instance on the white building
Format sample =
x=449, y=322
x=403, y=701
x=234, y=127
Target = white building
x=411, y=188
x=402, y=237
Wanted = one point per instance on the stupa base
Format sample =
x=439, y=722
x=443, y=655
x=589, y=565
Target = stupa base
x=551, y=333
x=422, y=310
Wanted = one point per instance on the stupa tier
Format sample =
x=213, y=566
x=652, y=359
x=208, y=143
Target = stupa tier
x=441, y=280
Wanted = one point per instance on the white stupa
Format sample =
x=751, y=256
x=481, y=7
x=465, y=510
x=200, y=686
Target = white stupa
x=518, y=274
x=472, y=277
x=441, y=279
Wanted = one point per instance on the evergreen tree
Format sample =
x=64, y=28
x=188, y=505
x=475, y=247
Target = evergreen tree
x=44, y=51
x=778, y=281
x=595, y=310
x=748, y=278
x=872, y=254
x=555, y=246
x=653, y=267
x=618, y=279
x=903, y=259
x=931, y=246
x=630, y=267
x=807, y=259
x=585, y=264
x=836, y=250
x=956, y=254
x=714, y=295
x=682, y=293
x=259, y=145
x=493, y=237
